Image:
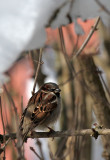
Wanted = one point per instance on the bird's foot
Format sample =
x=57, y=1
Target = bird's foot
x=50, y=131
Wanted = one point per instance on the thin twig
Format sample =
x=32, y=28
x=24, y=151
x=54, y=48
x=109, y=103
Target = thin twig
x=76, y=45
x=3, y=126
x=70, y=66
x=50, y=152
x=93, y=29
x=38, y=62
x=37, y=71
x=60, y=148
x=103, y=7
x=18, y=135
x=13, y=105
x=3, y=147
x=32, y=149
x=103, y=82
x=76, y=144
x=40, y=148
x=21, y=104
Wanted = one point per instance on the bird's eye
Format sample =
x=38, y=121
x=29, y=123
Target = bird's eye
x=52, y=89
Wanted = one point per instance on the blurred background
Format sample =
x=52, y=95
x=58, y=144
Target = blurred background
x=77, y=112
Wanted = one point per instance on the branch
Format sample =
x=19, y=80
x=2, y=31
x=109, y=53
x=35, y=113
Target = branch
x=4, y=146
x=94, y=28
x=2, y=149
x=67, y=133
x=103, y=7
x=37, y=71
x=33, y=150
x=70, y=66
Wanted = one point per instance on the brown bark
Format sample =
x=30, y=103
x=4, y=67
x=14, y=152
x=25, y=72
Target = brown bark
x=67, y=116
x=82, y=119
x=101, y=106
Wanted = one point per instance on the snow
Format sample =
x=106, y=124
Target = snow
x=22, y=23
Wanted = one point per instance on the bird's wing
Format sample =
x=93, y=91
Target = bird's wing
x=44, y=108
x=39, y=108
x=31, y=101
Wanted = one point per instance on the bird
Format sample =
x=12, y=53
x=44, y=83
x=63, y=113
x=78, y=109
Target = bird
x=43, y=109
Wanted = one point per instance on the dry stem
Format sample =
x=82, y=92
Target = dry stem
x=94, y=28
x=67, y=133
x=37, y=71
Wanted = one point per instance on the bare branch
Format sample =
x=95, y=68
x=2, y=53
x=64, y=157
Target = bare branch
x=3, y=126
x=37, y=71
x=103, y=82
x=18, y=143
x=13, y=104
x=70, y=66
x=32, y=149
x=3, y=147
x=103, y=7
x=93, y=29
x=40, y=148
x=73, y=72
x=67, y=133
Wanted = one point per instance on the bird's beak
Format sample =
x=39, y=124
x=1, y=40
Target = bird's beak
x=57, y=90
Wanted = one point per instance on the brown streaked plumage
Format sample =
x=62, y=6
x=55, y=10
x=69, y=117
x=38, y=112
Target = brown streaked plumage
x=42, y=110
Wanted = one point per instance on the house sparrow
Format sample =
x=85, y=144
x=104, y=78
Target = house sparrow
x=43, y=109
